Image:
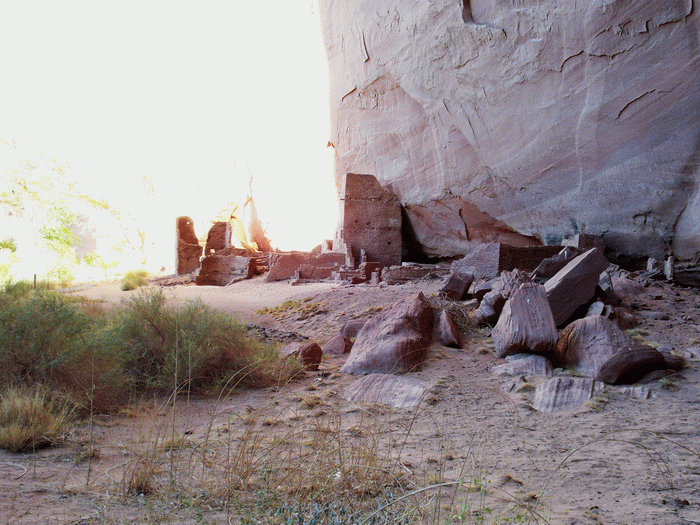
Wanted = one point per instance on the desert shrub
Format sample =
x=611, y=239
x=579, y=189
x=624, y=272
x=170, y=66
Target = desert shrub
x=167, y=348
x=48, y=339
x=134, y=279
x=31, y=418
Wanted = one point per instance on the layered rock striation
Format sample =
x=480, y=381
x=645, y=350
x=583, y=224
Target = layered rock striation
x=491, y=119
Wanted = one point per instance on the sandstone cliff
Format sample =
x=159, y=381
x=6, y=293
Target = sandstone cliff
x=548, y=117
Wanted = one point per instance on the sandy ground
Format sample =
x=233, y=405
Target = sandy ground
x=619, y=460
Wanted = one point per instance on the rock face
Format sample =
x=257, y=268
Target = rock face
x=395, y=340
x=497, y=120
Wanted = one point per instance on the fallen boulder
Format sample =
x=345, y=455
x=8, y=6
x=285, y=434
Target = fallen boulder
x=631, y=364
x=456, y=286
x=352, y=328
x=526, y=323
x=395, y=340
x=551, y=265
x=575, y=284
x=586, y=344
x=492, y=303
x=337, y=345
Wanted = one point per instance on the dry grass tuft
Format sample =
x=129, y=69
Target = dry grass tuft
x=31, y=418
x=295, y=310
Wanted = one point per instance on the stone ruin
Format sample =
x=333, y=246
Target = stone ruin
x=373, y=245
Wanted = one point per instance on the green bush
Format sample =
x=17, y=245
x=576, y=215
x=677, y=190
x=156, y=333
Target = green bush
x=99, y=359
x=46, y=338
x=134, y=279
x=194, y=346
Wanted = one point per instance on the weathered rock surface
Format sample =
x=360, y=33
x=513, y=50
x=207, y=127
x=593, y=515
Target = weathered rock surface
x=526, y=323
x=586, y=344
x=575, y=284
x=387, y=389
x=534, y=118
x=562, y=393
x=493, y=301
x=395, y=340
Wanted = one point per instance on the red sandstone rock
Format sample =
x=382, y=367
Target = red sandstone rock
x=526, y=323
x=491, y=259
x=370, y=220
x=524, y=365
x=395, y=340
x=587, y=343
x=456, y=286
x=631, y=364
x=310, y=354
x=551, y=265
x=575, y=284
x=399, y=391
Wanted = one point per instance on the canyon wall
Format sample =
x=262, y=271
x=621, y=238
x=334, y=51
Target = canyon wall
x=544, y=117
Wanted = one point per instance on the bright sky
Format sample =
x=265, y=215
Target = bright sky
x=192, y=94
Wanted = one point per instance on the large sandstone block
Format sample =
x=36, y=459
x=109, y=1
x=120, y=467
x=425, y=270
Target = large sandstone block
x=545, y=117
x=574, y=285
x=395, y=340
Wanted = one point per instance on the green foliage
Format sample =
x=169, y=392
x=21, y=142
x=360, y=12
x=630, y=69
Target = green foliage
x=134, y=279
x=193, y=347
x=47, y=339
x=8, y=244
x=31, y=418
